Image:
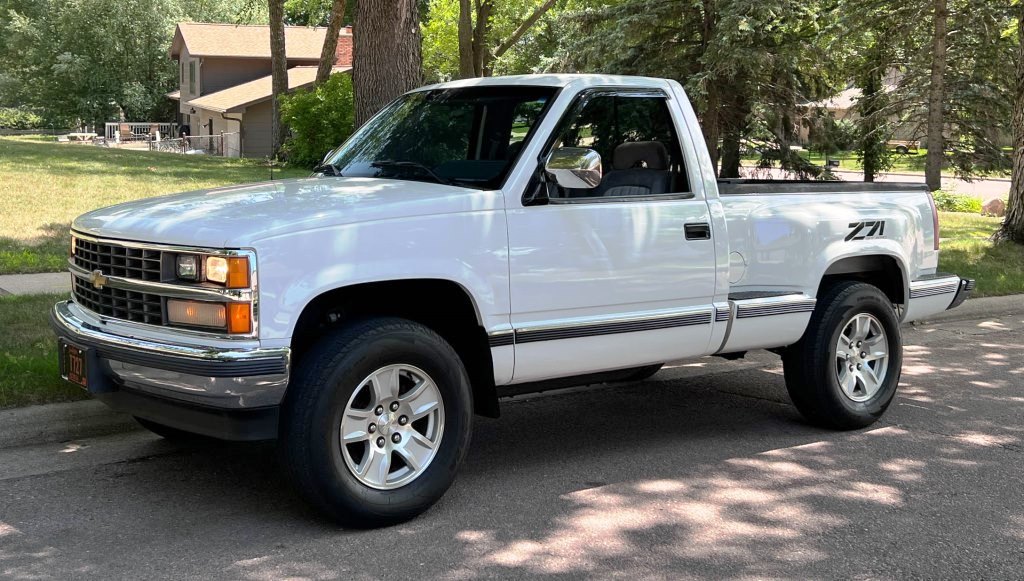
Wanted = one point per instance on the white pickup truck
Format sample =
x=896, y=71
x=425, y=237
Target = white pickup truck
x=479, y=238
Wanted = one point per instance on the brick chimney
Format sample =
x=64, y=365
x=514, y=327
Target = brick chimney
x=343, y=53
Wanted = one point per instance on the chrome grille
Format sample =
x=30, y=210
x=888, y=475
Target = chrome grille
x=118, y=303
x=115, y=260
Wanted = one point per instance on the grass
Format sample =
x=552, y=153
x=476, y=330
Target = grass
x=44, y=185
x=28, y=354
x=966, y=249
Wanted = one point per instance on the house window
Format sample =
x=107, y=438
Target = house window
x=192, y=77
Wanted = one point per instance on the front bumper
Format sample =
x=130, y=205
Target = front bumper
x=225, y=392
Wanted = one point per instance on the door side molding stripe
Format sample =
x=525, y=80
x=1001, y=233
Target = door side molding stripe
x=612, y=327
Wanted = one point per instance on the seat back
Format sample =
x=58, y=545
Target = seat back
x=639, y=168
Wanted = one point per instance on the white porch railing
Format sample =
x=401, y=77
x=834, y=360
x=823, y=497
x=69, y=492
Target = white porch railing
x=139, y=131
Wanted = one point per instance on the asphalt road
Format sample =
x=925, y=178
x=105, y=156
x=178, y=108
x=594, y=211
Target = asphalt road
x=704, y=471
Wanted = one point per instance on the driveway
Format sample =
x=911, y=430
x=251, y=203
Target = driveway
x=705, y=471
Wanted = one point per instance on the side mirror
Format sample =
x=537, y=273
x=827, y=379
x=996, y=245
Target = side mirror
x=574, y=167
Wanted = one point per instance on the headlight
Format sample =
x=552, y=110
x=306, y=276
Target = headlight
x=188, y=266
x=232, y=272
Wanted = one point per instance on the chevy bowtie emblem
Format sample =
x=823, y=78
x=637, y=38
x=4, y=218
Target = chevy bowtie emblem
x=97, y=279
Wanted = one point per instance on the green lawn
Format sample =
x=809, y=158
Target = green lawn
x=28, y=353
x=44, y=185
x=966, y=249
x=909, y=163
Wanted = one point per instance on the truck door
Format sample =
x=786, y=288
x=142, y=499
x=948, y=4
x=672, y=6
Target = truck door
x=621, y=274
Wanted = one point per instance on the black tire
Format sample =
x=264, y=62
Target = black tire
x=321, y=386
x=642, y=373
x=172, y=434
x=902, y=150
x=810, y=365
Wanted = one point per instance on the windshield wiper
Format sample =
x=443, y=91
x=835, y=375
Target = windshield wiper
x=328, y=169
x=386, y=163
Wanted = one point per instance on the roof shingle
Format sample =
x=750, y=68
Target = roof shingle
x=230, y=40
x=235, y=98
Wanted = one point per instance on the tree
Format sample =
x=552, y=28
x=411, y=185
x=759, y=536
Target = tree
x=477, y=47
x=936, y=98
x=327, y=55
x=386, y=54
x=278, y=73
x=1013, y=224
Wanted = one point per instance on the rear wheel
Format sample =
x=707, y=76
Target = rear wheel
x=844, y=372
x=376, y=423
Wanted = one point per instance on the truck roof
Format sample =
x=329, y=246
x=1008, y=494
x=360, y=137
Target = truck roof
x=552, y=80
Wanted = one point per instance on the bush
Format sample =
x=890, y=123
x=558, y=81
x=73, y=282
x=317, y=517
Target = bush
x=950, y=202
x=18, y=118
x=320, y=119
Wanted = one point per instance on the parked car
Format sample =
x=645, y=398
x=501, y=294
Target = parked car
x=440, y=259
x=902, y=147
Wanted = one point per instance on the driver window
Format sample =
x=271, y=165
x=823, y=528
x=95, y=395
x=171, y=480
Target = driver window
x=635, y=137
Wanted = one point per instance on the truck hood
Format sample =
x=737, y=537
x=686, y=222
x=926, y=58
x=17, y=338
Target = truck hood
x=239, y=216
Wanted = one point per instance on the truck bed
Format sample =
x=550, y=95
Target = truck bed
x=743, y=186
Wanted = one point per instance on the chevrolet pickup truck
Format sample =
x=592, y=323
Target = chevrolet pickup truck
x=475, y=239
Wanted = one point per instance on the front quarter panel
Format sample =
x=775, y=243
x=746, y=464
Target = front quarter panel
x=465, y=241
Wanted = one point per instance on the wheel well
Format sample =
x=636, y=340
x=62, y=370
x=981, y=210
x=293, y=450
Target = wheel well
x=881, y=271
x=443, y=306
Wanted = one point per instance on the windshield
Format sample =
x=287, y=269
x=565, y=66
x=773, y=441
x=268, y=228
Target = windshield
x=468, y=137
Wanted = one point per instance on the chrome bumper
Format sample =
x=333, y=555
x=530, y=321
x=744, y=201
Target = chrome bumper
x=211, y=377
x=934, y=294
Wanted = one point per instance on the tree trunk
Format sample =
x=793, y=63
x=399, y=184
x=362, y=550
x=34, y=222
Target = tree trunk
x=386, y=55
x=870, y=146
x=327, y=54
x=1013, y=224
x=481, y=54
x=279, y=74
x=466, y=55
x=936, y=99
x=711, y=120
x=730, y=154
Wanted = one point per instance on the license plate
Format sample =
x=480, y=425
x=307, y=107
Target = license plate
x=74, y=365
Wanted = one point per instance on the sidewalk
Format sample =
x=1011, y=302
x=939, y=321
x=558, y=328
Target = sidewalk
x=33, y=284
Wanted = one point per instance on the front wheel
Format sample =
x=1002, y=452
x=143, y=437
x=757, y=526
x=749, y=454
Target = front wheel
x=844, y=371
x=376, y=422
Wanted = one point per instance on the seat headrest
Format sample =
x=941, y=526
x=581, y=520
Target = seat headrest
x=640, y=154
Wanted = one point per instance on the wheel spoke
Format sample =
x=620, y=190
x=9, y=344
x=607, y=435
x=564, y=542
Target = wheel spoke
x=376, y=467
x=355, y=435
x=422, y=399
x=862, y=326
x=417, y=450
x=870, y=380
x=848, y=381
x=385, y=384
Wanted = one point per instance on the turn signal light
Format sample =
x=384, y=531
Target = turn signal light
x=239, y=318
x=231, y=317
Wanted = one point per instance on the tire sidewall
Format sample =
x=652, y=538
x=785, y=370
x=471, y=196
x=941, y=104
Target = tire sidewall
x=875, y=304
x=340, y=486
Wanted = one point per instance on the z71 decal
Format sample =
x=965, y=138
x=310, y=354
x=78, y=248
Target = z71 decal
x=864, y=230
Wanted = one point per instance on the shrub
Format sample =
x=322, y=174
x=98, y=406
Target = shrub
x=950, y=202
x=19, y=118
x=320, y=119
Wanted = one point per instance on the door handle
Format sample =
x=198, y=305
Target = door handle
x=700, y=231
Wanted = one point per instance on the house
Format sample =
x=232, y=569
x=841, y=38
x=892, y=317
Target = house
x=225, y=78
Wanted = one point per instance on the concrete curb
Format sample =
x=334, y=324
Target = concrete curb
x=31, y=284
x=60, y=422
x=983, y=308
